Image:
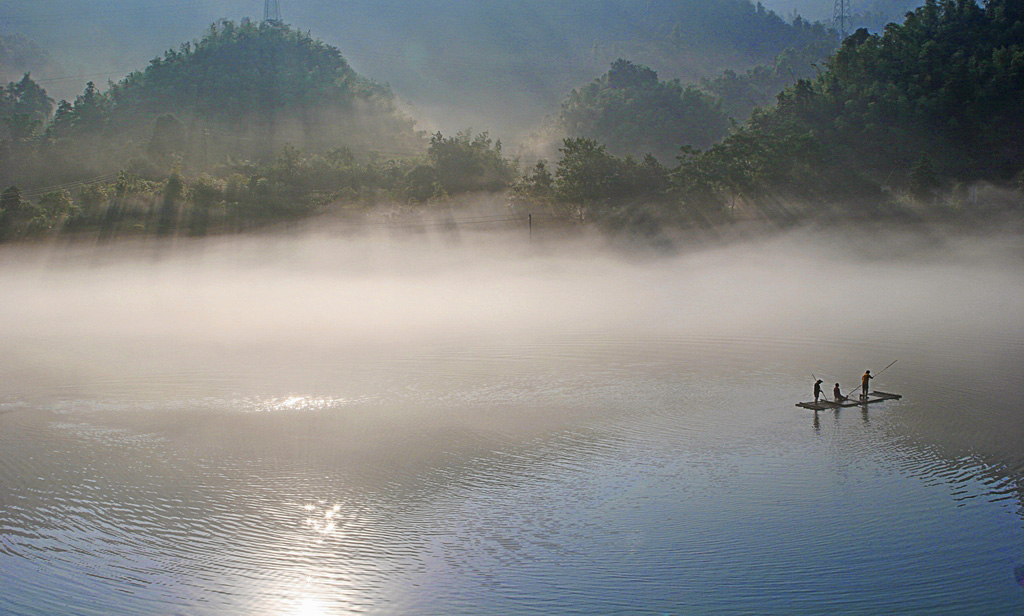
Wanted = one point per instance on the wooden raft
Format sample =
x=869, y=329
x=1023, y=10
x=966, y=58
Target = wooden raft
x=873, y=396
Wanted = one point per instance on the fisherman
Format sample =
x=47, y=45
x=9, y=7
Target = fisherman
x=864, y=384
x=838, y=393
x=817, y=390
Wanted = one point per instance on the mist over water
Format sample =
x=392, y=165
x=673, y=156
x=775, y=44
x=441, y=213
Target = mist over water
x=316, y=424
x=324, y=294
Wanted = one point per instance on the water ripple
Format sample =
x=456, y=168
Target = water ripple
x=595, y=475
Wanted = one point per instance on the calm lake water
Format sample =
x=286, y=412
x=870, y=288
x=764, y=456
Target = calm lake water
x=316, y=427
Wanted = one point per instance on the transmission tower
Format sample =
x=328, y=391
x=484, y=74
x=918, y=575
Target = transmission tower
x=841, y=17
x=272, y=10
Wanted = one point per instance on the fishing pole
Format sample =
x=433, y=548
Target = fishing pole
x=874, y=377
x=887, y=367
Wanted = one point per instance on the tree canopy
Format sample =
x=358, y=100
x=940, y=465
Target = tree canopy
x=243, y=90
x=935, y=99
x=631, y=111
x=238, y=70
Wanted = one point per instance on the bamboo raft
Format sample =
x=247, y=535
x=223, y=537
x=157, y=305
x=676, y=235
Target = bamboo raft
x=873, y=397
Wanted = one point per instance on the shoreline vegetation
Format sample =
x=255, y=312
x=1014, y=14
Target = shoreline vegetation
x=257, y=125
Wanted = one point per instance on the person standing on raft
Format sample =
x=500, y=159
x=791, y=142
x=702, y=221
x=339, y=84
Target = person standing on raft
x=864, y=383
x=817, y=390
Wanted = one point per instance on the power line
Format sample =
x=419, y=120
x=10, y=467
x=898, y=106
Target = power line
x=37, y=192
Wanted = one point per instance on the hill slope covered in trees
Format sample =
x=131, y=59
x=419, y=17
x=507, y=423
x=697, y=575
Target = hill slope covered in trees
x=633, y=112
x=483, y=63
x=243, y=90
x=925, y=106
x=897, y=122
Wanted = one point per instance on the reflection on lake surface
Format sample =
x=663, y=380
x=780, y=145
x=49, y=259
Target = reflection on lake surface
x=555, y=433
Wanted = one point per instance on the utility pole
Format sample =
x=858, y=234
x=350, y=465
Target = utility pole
x=272, y=11
x=841, y=17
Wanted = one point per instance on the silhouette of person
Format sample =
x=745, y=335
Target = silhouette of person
x=817, y=390
x=864, y=383
x=838, y=393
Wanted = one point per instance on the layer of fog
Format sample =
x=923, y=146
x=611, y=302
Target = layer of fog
x=382, y=347
x=93, y=308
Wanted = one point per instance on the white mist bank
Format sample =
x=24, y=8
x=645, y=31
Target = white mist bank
x=118, y=310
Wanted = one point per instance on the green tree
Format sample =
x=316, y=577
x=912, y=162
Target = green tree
x=26, y=97
x=10, y=200
x=586, y=173
x=91, y=197
x=464, y=163
x=633, y=112
x=168, y=216
x=203, y=194
x=56, y=204
x=421, y=183
x=541, y=183
x=946, y=83
x=90, y=111
x=11, y=206
x=21, y=126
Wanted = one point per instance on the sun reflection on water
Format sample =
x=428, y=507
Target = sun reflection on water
x=322, y=521
x=294, y=403
x=318, y=584
x=310, y=606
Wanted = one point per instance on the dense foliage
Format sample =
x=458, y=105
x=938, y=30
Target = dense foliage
x=242, y=91
x=923, y=106
x=500, y=64
x=250, y=72
x=632, y=112
x=905, y=118
x=236, y=195
x=259, y=82
x=24, y=108
x=741, y=93
x=759, y=33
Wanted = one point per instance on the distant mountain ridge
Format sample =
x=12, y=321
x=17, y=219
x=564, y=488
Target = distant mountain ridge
x=243, y=91
x=484, y=63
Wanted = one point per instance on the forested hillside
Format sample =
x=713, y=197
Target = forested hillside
x=244, y=90
x=927, y=105
x=257, y=114
x=634, y=113
x=489, y=64
x=908, y=121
